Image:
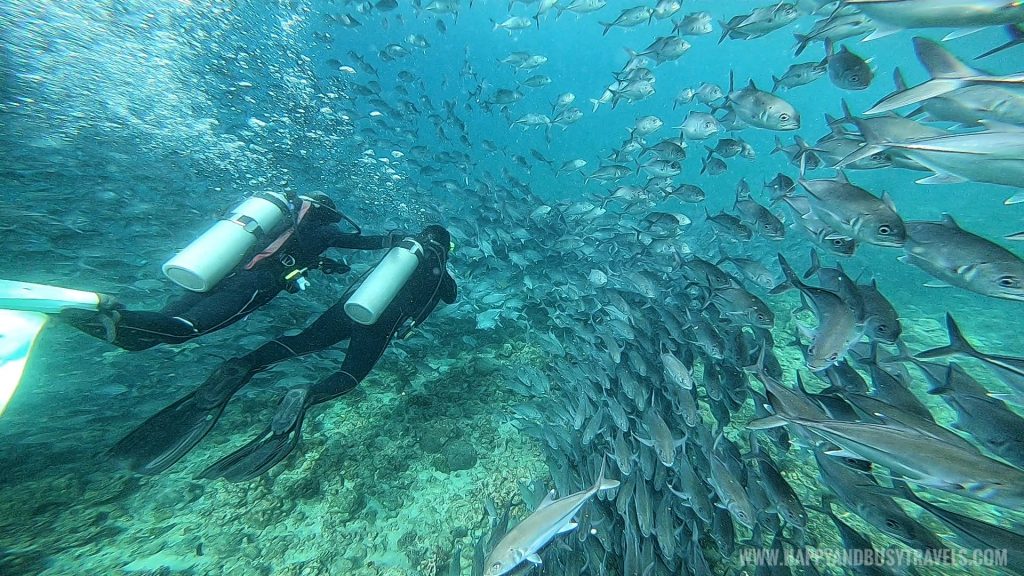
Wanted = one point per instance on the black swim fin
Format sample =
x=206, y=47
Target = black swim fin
x=270, y=447
x=171, y=433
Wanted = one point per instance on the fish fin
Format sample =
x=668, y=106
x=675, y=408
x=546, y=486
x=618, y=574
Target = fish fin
x=1005, y=397
x=860, y=154
x=1015, y=199
x=947, y=220
x=957, y=343
x=548, y=499
x=960, y=33
x=881, y=32
x=1016, y=37
x=930, y=89
x=815, y=264
x=996, y=125
x=569, y=526
x=887, y=200
x=937, y=284
x=942, y=178
x=766, y=423
x=941, y=63
x=534, y=559
x=843, y=453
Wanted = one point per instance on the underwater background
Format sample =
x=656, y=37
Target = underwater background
x=128, y=127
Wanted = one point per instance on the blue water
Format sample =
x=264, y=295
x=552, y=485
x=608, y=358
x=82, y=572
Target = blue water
x=127, y=127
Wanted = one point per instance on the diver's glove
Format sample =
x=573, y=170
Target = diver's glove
x=107, y=303
x=331, y=266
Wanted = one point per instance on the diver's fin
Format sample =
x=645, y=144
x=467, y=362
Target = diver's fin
x=270, y=447
x=171, y=433
x=31, y=297
x=18, y=331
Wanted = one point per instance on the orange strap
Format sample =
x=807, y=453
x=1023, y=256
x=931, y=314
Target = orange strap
x=276, y=244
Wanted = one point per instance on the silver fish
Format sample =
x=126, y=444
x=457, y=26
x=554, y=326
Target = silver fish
x=958, y=257
x=551, y=518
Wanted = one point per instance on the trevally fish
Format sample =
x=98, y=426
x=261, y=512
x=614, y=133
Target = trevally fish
x=800, y=74
x=1010, y=369
x=759, y=22
x=891, y=16
x=550, y=519
x=925, y=460
x=837, y=328
x=836, y=27
x=629, y=17
x=693, y=24
x=960, y=258
x=761, y=109
x=699, y=126
x=947, y=73
x=847, y=70
x=971, y=532
x=854, y=212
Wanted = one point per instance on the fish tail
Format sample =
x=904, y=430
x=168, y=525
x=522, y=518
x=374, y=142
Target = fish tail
x=958, y=344
x=725, y=31
x=802, y=40
x=607, y=27
x=1016, y=37
x=815, y=264
x=789, y=272
x=603, y=483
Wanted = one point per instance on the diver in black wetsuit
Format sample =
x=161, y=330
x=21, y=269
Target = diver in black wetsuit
x=279, y=267
x=170, y=434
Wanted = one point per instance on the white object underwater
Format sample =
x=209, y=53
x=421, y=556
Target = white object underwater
x=209, y=258
x=18, y=331
x=377, y=291
x=30, y=297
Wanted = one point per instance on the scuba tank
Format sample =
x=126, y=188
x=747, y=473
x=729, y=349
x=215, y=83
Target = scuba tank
x=381, y=286
x=209, y=258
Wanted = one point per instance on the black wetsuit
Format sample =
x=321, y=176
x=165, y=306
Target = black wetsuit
x=171, y=433
x=429, y=284
x=198, y=313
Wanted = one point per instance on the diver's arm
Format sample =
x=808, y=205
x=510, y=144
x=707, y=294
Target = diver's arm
x=448, y=290
x=338, y=239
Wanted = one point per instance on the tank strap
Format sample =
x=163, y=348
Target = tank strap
x=284, y=237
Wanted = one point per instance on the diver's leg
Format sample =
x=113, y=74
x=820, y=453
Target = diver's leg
x=331, y=327
x=232, y=299
x=183, y=319
x=130, y=329
x=367, y=346
x=277, y=440
x=171, y=433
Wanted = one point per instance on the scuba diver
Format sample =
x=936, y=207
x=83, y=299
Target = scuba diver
x=306, y=226
x=396, y=296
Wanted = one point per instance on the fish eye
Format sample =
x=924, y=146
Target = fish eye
x=890, y=523
x=854, y=78
x=885, y=229
x=784, y=116
x=882, y=328
x=837, y=242
x=761, y=317
x=833, y=357
x=1007, y=281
